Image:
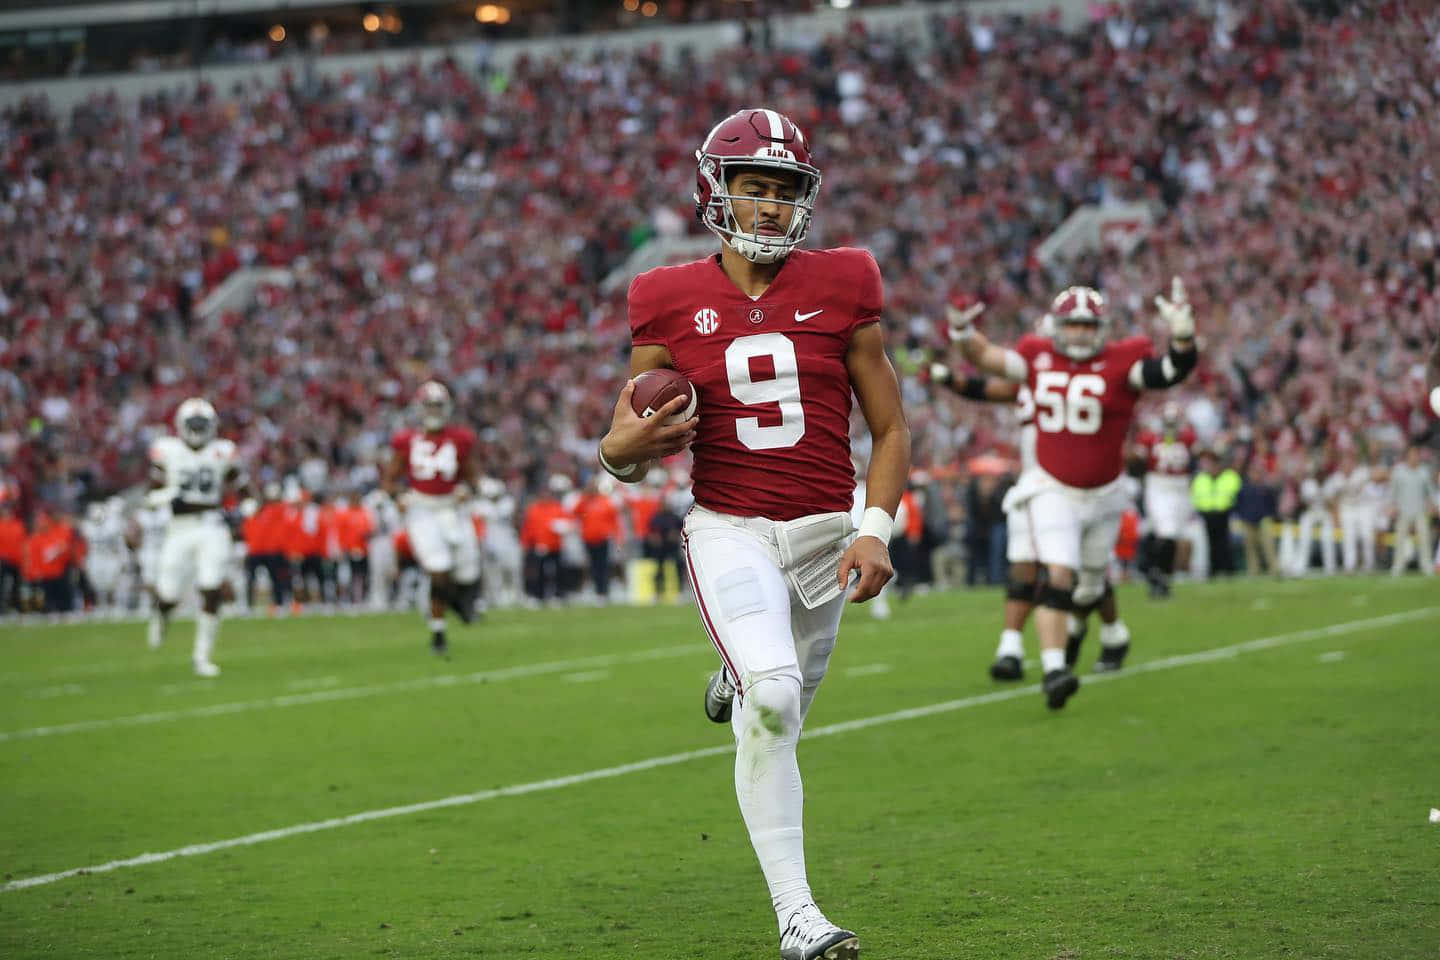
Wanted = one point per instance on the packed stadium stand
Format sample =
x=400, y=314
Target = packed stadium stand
x=457, y=214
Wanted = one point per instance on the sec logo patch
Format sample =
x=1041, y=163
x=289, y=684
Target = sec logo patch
x=707, y=321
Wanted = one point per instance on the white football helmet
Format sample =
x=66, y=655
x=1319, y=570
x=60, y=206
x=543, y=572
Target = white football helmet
x=435, y=404
x=196, y=422
x=1078, y=321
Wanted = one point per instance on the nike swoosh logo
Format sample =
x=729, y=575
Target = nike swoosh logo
x=802, y=317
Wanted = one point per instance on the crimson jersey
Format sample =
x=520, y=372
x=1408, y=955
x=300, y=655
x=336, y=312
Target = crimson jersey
x=434, y=459
x=1083, y=408
x=1168, y=454
x=774, y=435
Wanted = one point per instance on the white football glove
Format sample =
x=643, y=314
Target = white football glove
x=1176, y=311
x=159, y=497
x=962, y=322
x=939, y=373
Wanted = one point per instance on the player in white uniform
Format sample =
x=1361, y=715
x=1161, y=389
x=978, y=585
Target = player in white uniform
x=192, y=473
x=146, y=535
x=1169, y=459
x=106, y=554
x=1319, y=501
x=1359, y=514
x=501, y=549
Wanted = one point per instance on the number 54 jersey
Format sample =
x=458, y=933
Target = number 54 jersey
x=775, y=394
x=1083, y=408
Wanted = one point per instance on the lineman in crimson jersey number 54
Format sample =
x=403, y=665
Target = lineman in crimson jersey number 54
x=438, y=462
x=1085, y=390
x=774, y=339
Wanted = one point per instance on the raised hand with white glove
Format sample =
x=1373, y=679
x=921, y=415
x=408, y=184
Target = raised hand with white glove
x=962, y=322
x=1176, y=311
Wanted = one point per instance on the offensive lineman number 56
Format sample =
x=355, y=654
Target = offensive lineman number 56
x=1068, y=403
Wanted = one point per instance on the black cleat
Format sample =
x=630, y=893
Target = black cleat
x=460, y=597
x=719, y=697
x=1007, y=668
x=1111, y=658
x=438, y=646
x=1059, y=686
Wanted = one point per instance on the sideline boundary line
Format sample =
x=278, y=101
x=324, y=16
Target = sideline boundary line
x=1228, y=652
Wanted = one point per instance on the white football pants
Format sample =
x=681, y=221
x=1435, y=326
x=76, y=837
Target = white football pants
x=776, y=653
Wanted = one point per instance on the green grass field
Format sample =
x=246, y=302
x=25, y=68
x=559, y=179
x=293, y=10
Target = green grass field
x=1269, y=800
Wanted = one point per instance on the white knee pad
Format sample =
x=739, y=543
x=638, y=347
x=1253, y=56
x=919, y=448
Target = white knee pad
x=1089, y=587
x=770, y=707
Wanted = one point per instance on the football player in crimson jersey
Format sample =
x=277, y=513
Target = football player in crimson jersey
x=1168, y=461
x=437, y=459
x=774, y=339
x=1085, y=391
x=1025, y=577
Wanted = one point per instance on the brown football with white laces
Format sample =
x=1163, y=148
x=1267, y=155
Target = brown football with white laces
x=655, y=388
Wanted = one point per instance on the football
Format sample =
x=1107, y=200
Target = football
x=655, y=388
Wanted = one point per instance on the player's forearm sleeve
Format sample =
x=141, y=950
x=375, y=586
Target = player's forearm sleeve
x=971, y=388
x=1015, y=366
x=1159, y=373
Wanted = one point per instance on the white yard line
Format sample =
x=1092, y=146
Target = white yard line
x=465, y=799
x=868, y=670
x=354, y=693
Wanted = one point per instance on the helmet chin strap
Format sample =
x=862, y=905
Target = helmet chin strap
x=757, y=252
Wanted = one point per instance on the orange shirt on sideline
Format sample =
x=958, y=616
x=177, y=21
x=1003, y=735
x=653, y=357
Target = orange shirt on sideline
x=642, y=507
x=539, y=532
x=12, y=540
x=353, y=527
x=48, y=553
x=599, y=518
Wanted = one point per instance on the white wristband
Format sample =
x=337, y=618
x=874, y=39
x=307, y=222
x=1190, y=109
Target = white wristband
x=1435, y=401
x=618, y=472
x=876, y=523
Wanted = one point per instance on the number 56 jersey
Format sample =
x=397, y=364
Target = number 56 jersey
x=775, y=393
x=1083, y=408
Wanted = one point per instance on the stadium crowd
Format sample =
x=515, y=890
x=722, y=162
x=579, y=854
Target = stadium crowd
x=443, y=223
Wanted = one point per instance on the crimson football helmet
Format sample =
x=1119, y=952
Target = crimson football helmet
x=749, y=139
x=1078, y=322
x=433, y=399
x=196, y=422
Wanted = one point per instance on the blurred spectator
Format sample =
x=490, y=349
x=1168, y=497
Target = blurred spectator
x=264, y=533
x=12, y=554
x=1413, y=496
x=600, y=529
x=985, y=528
x=48, y=563
x=546, y=520
x=1213, y=491
x=664, y=537
x=1256, y=507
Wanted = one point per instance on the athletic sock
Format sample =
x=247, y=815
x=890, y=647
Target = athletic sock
x=207, y=627
x=1052, y=660
x=1012, y=644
